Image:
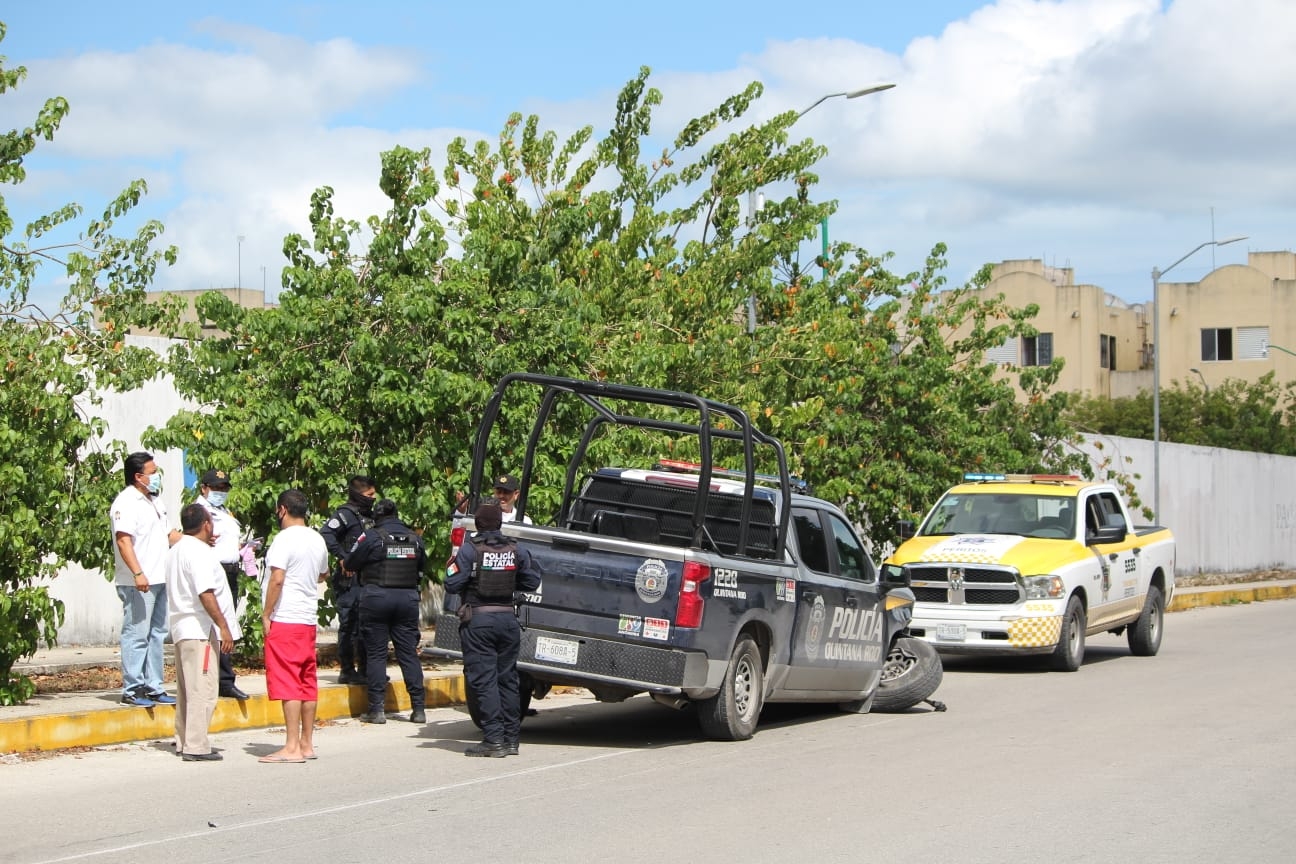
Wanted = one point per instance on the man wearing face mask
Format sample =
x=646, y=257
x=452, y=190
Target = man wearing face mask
x=215, y=488
x=340, y=533
x=141, y=539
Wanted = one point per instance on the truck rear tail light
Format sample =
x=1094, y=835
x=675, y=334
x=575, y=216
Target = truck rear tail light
x=688, y=613
x=456, y=537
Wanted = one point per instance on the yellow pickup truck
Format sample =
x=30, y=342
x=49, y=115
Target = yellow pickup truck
x=1032, y=564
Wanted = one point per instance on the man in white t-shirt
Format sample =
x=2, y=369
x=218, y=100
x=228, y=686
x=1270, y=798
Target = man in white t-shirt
x=200, y=611
x=297, y=561
x=506, y=493
x=141, y=538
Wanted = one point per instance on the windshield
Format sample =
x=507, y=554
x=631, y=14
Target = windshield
x=1026, y=515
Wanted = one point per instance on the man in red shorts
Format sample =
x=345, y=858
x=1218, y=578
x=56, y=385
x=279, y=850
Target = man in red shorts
x=297, y=561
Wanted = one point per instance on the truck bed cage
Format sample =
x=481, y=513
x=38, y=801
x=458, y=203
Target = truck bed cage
x=741, y=536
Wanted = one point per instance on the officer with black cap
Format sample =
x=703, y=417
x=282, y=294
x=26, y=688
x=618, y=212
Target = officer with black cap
x=340, y=533
x=389, y=558
x=214, y=489
x=486, y=572
x=507, y=493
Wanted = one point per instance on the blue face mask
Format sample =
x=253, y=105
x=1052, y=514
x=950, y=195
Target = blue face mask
x=217, y=499
x=155, y=482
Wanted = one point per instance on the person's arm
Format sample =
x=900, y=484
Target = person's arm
x=528, y=571
x=333, y=531
x=274, y=588
x=366, y=550
x=459, y=568
x=209, y=604
x=126, y=547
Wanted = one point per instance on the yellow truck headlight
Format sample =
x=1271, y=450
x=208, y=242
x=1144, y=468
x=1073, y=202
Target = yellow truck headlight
x=1043, y=587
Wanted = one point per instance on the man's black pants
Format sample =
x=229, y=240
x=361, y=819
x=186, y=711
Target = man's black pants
x=490, y=642
x=391, y=614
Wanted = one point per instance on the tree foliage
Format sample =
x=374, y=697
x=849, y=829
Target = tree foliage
x=57, y=473
x=583, y=257
x=1237, y=414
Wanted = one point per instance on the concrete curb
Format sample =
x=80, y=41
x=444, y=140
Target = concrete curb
x=1226, y=595
x=119, y=724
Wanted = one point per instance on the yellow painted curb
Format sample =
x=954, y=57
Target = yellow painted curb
x=122, y=723
x=1225, y=596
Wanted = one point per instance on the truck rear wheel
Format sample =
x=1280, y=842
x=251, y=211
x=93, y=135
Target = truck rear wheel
x=731, y=714
x=1069, y=653
x=912, y=672
x=1145, y=634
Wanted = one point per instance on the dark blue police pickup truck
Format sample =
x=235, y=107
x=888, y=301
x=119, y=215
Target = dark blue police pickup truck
x=723, y=589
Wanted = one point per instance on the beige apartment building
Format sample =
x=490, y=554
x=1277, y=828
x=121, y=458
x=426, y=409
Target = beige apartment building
x=1239, y=321
x=246, y=297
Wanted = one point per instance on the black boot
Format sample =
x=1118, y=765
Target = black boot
x=487, y=748
x=511, y=748
x=379, y=716
x=417, y=716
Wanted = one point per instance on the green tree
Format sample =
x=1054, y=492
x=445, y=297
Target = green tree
x=585, y=258
x=57, y=473
x=1237, y=415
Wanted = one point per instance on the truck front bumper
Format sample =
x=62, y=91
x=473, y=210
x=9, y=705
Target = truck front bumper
x=1028, y=628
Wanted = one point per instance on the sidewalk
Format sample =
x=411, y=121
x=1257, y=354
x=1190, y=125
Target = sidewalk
x=89, y=719
x=94, y=718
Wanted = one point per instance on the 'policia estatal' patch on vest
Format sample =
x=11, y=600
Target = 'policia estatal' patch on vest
x=399, y=565
x=495, y=573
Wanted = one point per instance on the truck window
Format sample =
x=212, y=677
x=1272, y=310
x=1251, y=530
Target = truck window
x=854, y=561
x=811, y=540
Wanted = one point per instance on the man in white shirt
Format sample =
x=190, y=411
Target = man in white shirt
x=297, y=561
x=200, y=612
x=215, y=488
x=506, y=493
x=141, y=538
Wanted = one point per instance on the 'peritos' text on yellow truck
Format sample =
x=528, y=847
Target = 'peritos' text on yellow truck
x=1032, y=564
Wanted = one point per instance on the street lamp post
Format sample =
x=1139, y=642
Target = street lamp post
x=1156, y=366
x=241, y=238
x=1199, y=374
x=753, y=197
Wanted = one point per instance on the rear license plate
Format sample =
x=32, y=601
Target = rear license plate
x=557, y=650
x=951, y=632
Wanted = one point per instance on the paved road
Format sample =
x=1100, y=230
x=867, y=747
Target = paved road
x=1186, y=757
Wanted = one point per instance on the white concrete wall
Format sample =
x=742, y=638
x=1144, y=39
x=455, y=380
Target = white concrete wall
x=1230, y=511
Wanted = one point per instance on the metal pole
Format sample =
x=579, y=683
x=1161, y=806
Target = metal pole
x=1156, y=367
x=240, y=269
x=1156, y=395
x=823, y=230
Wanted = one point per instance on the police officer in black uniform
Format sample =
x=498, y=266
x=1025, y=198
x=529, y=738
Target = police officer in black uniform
x=340, y=533
x=486, y=572
x=389, y=558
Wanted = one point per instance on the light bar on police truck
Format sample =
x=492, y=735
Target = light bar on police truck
x=979, y=477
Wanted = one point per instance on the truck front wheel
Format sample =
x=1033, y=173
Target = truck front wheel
x=1145, y=634
x=912, y=672
x=732, y=713
x=1069, y=653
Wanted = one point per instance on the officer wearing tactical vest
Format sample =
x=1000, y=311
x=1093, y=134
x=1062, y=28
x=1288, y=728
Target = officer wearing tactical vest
x=389, y=558
x=340, y=533
x=486, y=572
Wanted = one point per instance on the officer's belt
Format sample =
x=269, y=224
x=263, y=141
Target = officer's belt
x=494, y=608
x=231, y=568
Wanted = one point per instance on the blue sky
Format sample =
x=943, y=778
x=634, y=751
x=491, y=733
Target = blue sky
x=1106, y=135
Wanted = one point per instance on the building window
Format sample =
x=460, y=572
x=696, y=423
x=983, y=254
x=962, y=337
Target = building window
x=1037, y=350
x=1107, y=352
x=1252, y=343
x=1217, y=343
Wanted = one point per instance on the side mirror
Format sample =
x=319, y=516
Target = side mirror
x=905, y=529
x=894, y=576
x=1108, y=534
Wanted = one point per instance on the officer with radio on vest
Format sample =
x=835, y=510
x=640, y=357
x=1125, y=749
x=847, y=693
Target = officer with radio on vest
x=389, y=558
x=486, y=572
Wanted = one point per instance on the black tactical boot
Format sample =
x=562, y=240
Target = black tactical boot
x=487, y=748
x=511, y=748
x=379, y=716
x=418, y=716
